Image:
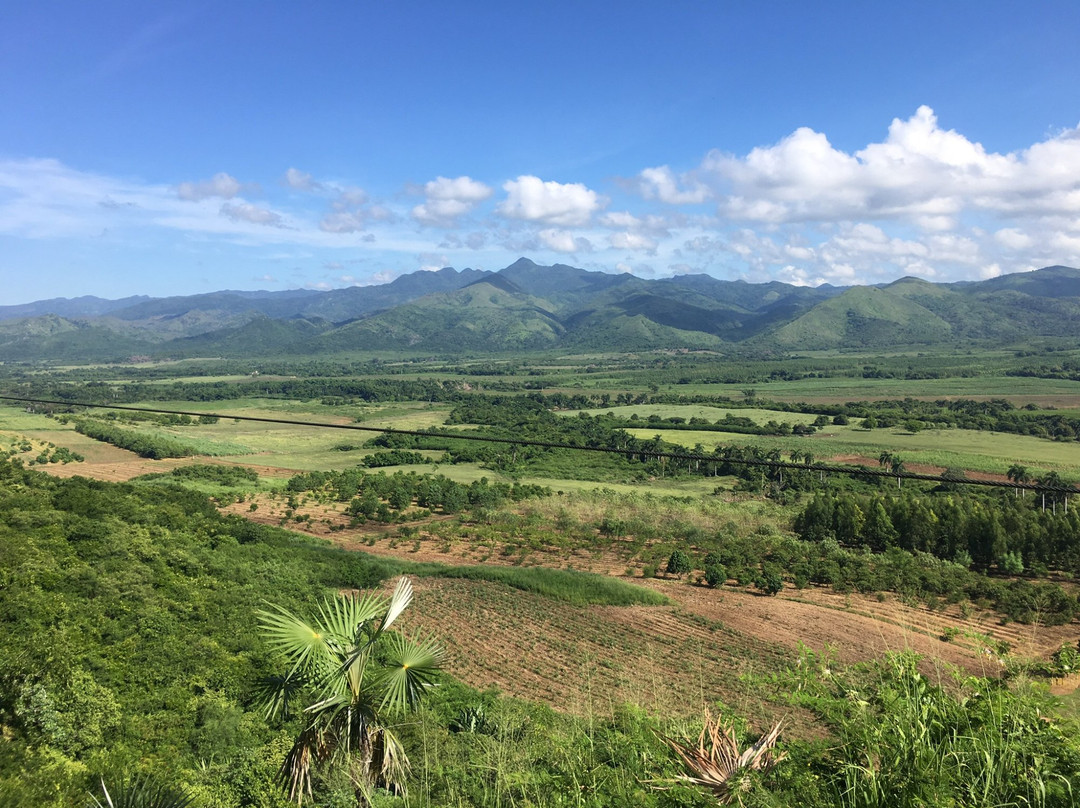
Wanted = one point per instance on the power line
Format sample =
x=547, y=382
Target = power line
x=860, y=471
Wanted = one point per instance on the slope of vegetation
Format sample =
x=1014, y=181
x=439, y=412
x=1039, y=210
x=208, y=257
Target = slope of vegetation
x=128, y=617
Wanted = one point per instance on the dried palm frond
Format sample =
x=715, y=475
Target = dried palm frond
x=716, y=762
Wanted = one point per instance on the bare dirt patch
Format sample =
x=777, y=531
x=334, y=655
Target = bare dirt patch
x=590, y=660
x=662, y=658
x=917, y=468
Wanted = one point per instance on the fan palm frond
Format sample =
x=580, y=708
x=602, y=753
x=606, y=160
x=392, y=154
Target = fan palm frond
x=344, y=618
x=399, y=601
x=274, y=693
x=716, y=762
x=409, y=668
x=142, y=793
x=305, y=646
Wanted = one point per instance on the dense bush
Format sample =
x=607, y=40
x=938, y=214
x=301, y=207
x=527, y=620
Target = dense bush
x=154, y=447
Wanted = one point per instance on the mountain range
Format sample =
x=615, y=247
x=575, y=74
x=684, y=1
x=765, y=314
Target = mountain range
x=531, y=307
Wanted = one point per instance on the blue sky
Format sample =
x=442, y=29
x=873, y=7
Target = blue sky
x=174, y=148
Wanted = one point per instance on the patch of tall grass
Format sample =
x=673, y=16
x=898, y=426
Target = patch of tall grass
x=568, y=586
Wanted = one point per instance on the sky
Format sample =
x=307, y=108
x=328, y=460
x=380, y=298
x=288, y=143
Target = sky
x=170, y=148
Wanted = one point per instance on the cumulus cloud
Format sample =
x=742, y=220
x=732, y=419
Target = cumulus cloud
x=300, y=180
x=1013, y=239
x=220, y=185
x=564, y=205
x=563, y=241
x=661, y=183
x=620, y=219
x=633, y=241
x=350, y=213
x=243, y=212
x=920, y=172
x=431, y=262
x=449, y=199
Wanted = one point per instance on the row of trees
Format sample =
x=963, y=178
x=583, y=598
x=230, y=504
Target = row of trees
x=143, y=444
x=998, y=532
x=368, y=493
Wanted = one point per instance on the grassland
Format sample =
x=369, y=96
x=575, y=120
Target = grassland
x=970, y=450
x=837, y=390
x=688, y=411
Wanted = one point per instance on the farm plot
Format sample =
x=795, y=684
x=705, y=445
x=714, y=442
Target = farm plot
x=991, y=452
x=688, y=411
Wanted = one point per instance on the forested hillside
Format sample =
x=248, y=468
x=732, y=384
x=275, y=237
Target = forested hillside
x=527, y=307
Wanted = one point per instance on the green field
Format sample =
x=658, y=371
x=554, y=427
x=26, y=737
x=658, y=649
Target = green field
x=1020, y=390
x=688, y=411
x=991, y=452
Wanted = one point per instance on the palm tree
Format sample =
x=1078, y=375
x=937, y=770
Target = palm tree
x=353, y=674
x=897, y=466
x=885, y=458
x=1018, y=474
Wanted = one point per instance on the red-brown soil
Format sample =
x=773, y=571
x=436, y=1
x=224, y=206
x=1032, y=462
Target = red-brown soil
x=658, y=656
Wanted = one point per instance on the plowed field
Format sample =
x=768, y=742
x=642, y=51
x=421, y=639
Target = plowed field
x=578, y=657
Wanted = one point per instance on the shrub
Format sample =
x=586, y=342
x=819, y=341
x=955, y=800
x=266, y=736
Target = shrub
x=679, y=563
x=715, y=575
x=770, y=582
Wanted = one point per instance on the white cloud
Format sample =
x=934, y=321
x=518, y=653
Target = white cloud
x=1013, y=239
x=563, y=205
x=220, y=185
x=620, y=220
x=300, y=180
x=343, y=222
x=632, y=241
x=661, y=183
x=563, y=241
x=431, y=262
x=350, y=213
x=449, y=199
x=243, y=212
x=920, y=173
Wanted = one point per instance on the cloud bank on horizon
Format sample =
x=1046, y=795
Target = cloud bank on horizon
x=923, y=201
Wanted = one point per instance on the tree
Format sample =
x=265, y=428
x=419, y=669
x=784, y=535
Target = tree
x=770, y=581
x=679, y=563
x=896, y=464
x=352, y=674
x=1018, y=474
x=878, y=531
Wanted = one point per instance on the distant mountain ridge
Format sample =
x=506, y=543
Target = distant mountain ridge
x=526, y=306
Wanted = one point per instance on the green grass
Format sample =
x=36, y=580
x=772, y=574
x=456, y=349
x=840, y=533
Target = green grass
x=991, y=452
x=568, y=586
x=1020, y=390
x=688, y=411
